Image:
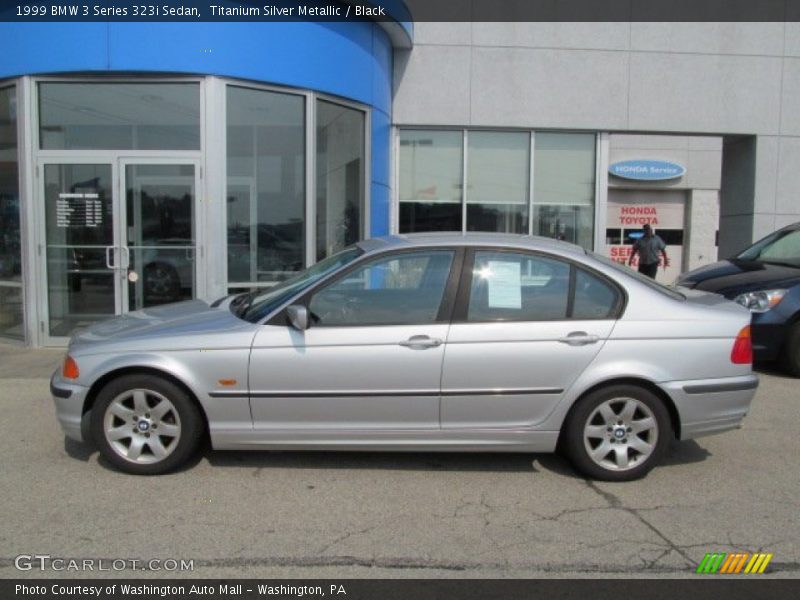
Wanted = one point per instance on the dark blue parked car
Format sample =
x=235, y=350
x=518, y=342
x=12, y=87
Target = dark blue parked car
x=766, y=279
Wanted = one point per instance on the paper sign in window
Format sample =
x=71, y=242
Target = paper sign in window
x=505, y=284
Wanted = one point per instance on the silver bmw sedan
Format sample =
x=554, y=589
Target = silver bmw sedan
x=422, y=342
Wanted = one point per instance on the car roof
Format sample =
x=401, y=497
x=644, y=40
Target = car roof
x=502, y=240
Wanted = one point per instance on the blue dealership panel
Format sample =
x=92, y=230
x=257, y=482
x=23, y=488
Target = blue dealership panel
x=351, y=60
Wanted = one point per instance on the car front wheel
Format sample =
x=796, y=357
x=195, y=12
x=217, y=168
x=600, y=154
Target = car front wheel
x=618, y=433
x=145, y=425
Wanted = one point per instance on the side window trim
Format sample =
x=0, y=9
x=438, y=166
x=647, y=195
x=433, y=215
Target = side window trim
x=573, y=275
x=461, y=310
x=445, y=307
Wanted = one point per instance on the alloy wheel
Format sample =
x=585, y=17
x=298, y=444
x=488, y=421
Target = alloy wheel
x=142, y=426
x=620, y=434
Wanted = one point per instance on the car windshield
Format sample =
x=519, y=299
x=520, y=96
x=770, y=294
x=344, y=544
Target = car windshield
x=652, y=283
x=780, y=248
x=258, y=304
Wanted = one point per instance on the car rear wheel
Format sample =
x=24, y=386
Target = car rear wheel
x=791, y=351
x=145, y=425
x=618, y=433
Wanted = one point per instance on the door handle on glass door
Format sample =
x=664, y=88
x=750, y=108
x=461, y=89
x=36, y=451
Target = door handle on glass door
x=421, y=341
x=579, y=338
x=109, y=251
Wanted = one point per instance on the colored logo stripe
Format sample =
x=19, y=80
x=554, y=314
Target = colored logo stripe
x=734, y=562
x=758, y=563
x=724, y=563
x=711, y=562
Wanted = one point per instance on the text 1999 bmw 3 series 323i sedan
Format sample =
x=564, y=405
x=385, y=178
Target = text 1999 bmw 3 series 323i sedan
x=420, y=342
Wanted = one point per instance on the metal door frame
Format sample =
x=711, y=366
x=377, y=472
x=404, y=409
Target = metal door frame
x=121, y=206
x=40, y=234
x=117, y=162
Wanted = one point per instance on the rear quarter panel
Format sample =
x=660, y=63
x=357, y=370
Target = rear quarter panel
x=661, y=340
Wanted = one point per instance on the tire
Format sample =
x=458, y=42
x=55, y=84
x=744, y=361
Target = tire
x=622, y=454
x=145, y=425
x=790, y=355
x=161, y=283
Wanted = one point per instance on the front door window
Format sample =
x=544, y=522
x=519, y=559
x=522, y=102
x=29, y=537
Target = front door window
x=398, y=290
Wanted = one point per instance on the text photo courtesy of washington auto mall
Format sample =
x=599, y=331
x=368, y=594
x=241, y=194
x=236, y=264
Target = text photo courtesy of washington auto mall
x=389, y=299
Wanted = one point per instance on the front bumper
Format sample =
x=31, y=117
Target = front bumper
x=710, y=406
x=69, y=400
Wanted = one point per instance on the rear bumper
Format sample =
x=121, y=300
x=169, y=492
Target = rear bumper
x=69, y=399
x=709, y=406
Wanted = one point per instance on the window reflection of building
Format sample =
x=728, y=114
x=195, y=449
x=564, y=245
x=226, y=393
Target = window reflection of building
x=340, y=177
x=498, y=182
x=266, y=199
x=11, y=300
x=266, y=185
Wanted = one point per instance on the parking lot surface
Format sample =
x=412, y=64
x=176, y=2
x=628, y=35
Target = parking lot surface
x=295, y=514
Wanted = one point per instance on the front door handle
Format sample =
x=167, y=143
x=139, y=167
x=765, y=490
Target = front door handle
x=421, y=341
x=579, y=338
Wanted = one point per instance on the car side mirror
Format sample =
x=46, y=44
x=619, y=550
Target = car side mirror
x=298, y=316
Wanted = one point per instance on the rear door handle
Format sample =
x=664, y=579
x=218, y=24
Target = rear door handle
x=579, y=338
x=421, y=341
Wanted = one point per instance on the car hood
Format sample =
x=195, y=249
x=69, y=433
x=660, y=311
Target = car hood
x=733, y=277
x=178, y=325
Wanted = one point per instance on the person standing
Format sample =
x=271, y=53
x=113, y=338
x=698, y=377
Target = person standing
x=648, y=247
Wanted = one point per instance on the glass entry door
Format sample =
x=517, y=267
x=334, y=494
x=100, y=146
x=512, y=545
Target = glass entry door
x=119, y=236
x=79, y=246
x=158, y=249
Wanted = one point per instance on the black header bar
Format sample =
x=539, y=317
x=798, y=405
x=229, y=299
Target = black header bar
x=400, y=10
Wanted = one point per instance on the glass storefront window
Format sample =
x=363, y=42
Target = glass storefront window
x=119, y=116
x=564, y=186
x=498, y=176
x=265, y=185
x=498, y=183
x=431, y=180
x=340, y=156
x=11, y=312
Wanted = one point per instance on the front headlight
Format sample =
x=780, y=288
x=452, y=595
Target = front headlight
x=761, y=301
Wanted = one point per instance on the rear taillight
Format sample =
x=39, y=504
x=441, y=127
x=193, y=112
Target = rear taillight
x=742, y=353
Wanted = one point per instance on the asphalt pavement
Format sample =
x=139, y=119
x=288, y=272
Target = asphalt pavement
x=331, y=515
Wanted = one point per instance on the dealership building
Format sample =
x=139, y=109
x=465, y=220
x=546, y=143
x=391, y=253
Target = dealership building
x=144, y=163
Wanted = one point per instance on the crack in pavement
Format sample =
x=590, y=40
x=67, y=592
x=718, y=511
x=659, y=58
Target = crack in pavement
x=615, y=503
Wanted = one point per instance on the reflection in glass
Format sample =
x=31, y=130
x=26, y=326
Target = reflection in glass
x=119, y=116
x=400, y=289
x=11, y=314
x=564, y=186
x=265, y=185
x=498, y=167
x=340, y=177
x=79, y=230
x=431, y=169
x=160, y=234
